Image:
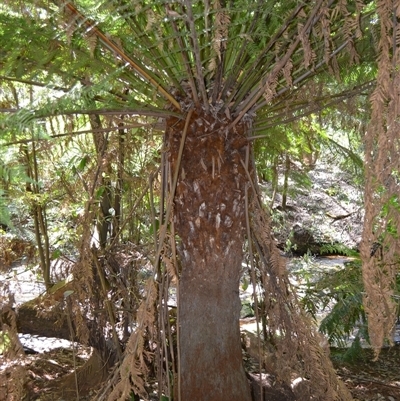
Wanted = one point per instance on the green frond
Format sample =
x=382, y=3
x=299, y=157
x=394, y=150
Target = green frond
x=242, y=54
x=344, y=318
x=339, y=294
x=4, y=211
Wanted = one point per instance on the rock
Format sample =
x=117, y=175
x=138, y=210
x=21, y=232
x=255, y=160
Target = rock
x=303, y=241
x=301, y=389
x=272, y=390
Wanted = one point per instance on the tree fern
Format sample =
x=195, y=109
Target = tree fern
x=213, y=73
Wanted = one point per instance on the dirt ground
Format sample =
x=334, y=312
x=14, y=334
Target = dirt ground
x=41, y=374
x=372, y=381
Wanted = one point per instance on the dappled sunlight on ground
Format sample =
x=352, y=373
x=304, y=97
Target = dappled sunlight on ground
x=369, y=380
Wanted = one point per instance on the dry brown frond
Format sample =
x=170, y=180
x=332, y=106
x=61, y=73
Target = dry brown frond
x=287, y=72
x=171, y=269
x=270, y=88
x=330, y=61
x=91, y=40
x=382, y=214
x=309, y=54
x=133, y=368
x=68, y=20
x=299, y=347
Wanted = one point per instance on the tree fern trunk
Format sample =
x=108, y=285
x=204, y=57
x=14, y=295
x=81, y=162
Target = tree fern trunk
x=120, y=182
x=210, y=220
x=275, y=179
x=38, y=214
x=104, y=218
x=286, y=181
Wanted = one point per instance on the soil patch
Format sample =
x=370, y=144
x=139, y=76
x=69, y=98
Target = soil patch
x=370, y=380
x=42, y=376
x=367, y=380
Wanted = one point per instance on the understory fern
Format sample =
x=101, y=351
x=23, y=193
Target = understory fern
x=337, y=249
x=346, y=316
x=335, y=300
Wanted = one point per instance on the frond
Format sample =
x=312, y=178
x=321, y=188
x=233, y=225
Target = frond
x=241, y=55
x=381, y=222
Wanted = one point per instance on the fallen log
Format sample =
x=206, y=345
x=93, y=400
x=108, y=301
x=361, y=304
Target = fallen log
x=45, y=316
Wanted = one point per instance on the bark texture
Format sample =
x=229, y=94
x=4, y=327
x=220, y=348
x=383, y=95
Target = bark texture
x=209, y=218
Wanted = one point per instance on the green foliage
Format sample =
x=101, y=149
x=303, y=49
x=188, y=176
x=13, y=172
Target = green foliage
x=338, y=295
x=4, y=211
x=301, y=182
x=338, y=249
x=353, y=354
x=5, y=342
x=346, y=316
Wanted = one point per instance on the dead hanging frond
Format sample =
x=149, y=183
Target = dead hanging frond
x=351, y=31
x=309, y=54
x=91, y=40
x=287, y=72
x=329, y=59
x=299, y=348
x=131, y=374
x=219, y=37
x=69, y=21
x=382, y=167
x=171, y=268
x=270, y=89
x=153, y=340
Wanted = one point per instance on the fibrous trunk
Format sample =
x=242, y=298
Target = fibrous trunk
x=209, y=218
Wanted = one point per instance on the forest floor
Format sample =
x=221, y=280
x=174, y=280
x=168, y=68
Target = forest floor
x=43, y=372
x=367, y=380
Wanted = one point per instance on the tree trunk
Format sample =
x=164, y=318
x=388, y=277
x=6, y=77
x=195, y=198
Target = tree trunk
x=120, y=183
x=209, y=218
x=38, y=211
x=286, y=182
x=104, y=218
x=275, y=179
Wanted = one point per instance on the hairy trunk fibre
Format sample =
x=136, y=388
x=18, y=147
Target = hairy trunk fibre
x=209, y=217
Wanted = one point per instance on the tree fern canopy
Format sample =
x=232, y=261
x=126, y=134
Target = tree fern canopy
x=239, y=57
